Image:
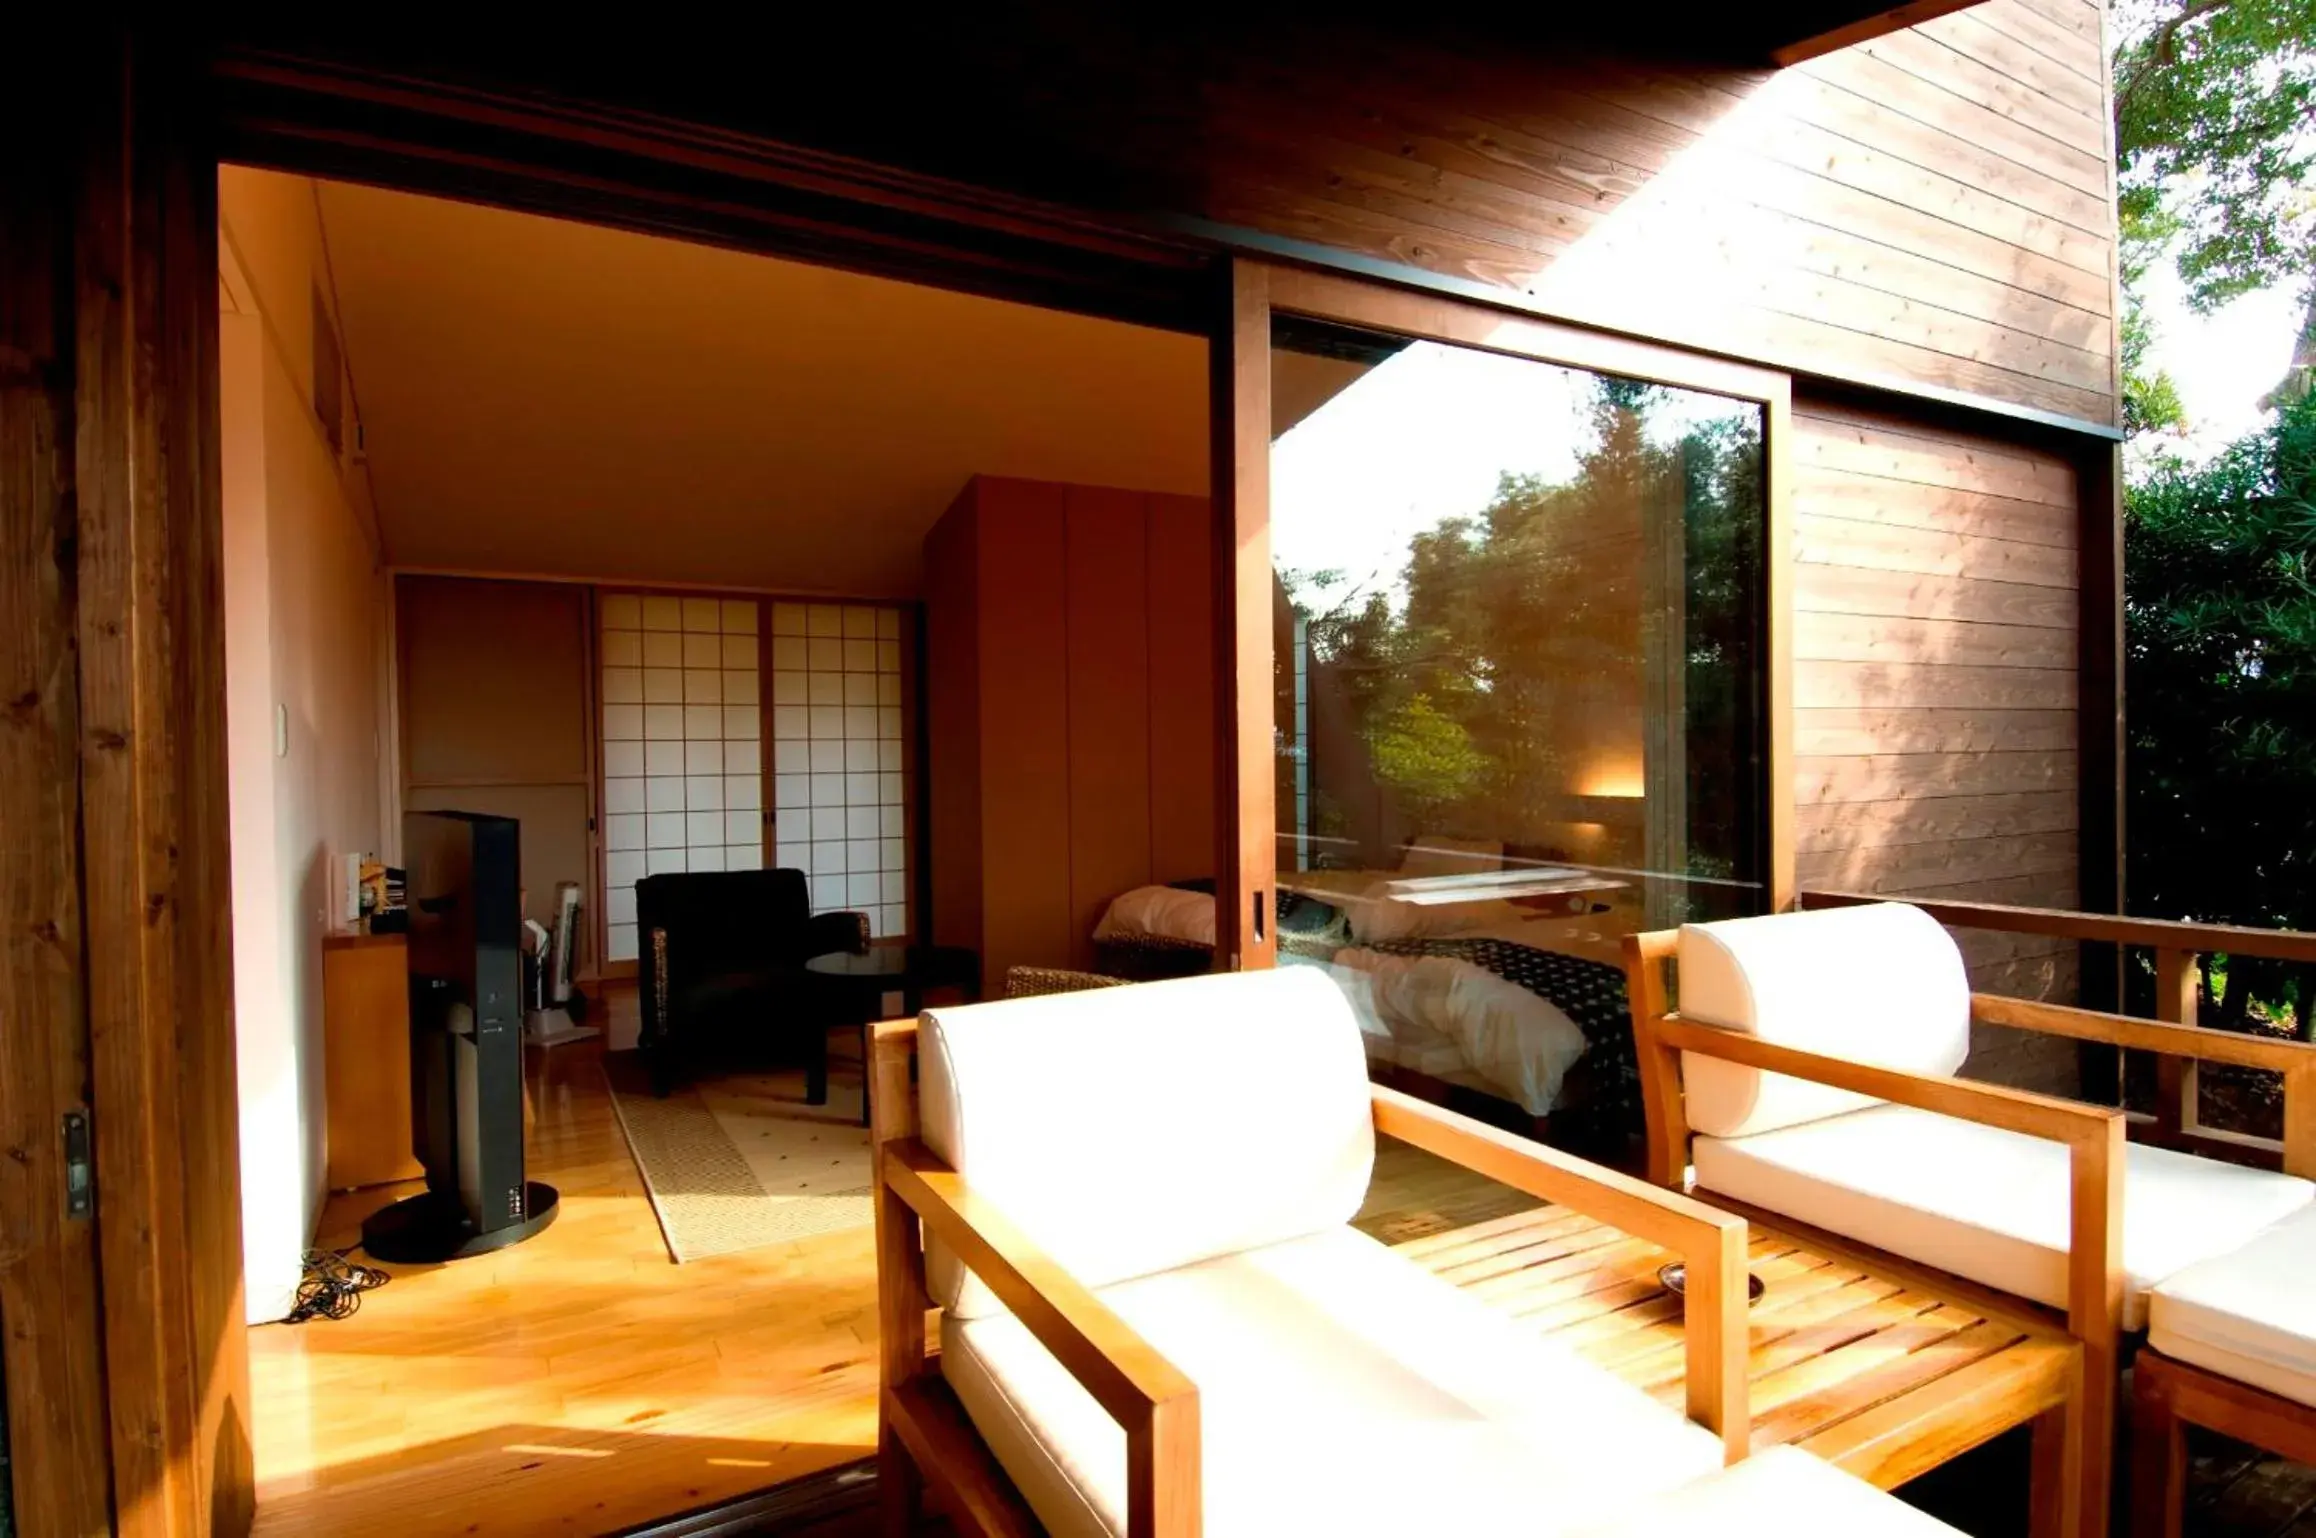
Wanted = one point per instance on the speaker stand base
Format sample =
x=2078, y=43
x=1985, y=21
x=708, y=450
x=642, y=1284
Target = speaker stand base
x=424, y=1230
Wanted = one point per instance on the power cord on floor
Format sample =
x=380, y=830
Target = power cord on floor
x=333, y=1285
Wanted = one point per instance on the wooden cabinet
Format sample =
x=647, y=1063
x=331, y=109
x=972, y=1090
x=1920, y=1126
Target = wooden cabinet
x=1069, y=704
x=366, y=1060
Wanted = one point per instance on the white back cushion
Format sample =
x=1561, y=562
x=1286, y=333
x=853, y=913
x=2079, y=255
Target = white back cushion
x=1132, y=1130
x=1881, y=983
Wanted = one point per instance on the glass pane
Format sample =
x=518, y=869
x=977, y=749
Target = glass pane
x=1518, y=640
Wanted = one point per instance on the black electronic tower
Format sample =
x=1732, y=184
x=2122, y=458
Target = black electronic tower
x=464, y=882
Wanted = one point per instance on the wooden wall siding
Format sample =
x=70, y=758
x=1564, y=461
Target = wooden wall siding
x=1935, y=642
x=1931, y=207
x=1927, y=209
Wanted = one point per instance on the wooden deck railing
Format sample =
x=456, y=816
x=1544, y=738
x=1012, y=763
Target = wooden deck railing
x=2177, y=948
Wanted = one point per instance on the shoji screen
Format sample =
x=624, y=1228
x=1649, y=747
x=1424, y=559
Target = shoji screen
x=839, y=798
x=683, y=770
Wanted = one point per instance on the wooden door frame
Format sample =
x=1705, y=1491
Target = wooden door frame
x=120, y=148
x=1258, y=290
x=121, y=592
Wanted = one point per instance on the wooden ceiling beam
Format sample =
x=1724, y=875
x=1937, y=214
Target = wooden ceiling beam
x=1879, y=23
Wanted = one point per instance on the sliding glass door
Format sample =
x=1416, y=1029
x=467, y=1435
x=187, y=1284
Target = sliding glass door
x=1523, y=680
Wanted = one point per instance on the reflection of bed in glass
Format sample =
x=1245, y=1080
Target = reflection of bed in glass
x=1496, y=991
x=1518, y=627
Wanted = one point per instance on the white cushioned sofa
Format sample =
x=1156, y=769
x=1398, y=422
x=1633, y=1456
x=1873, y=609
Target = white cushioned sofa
x=1155, y=1316
x=1810, y=1072
x=2232, y=1345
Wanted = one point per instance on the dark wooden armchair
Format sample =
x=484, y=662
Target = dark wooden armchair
x=722, y=964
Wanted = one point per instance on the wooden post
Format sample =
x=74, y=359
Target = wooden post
x=156, y=888
x=2176, y=978
x=1667, y=1129
x=2094, y=1317
x=48, y=1257
x=2300, y=1121
x=2049, y=1499
x=1162, y=1473
x=1719, y=1342
x=901, y=1296
x=2158, y=1453
x=1245, y=814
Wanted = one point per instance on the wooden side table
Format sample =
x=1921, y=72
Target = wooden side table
x=1884, y=1369
x=366, y=1060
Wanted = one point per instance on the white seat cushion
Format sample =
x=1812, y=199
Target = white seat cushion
x=1132, y=1130
x=2249, y=1314
x=1991, y=1205
x=1342, y=1389
x=1776, y=1493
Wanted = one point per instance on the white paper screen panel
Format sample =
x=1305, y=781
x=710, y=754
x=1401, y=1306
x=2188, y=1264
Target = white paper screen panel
x=838, y=797
x=683, y=734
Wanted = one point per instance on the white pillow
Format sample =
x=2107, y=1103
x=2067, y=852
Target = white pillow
x=1377, y=916
x=1880, y=983
x=1161, y=913
x=1432, y=855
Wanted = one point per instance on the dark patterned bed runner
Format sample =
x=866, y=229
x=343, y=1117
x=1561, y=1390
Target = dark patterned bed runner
x=1600, y=1105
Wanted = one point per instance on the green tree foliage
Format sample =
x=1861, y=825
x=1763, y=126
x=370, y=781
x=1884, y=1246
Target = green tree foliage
x=2213, y=154
x=1527, y=614
x=2220, y=631
x=2213, y=158
x=2151, y=401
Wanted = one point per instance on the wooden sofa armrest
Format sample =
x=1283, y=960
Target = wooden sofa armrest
x=1147, y=1395
x=2294, y=1060
x=2094, y=1136
x=1992, y=1105
x=2164, y=1036
x=1710, y=1242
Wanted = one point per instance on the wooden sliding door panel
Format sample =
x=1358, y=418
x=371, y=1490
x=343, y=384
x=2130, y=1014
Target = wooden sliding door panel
x=1522, y=606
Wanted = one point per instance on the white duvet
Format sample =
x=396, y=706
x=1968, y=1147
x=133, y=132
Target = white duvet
x=1449, y=1018
x=1433, y=1014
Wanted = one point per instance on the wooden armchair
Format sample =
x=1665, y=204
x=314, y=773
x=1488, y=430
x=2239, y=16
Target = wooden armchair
x=1098, y=1327
x=2037, y=1197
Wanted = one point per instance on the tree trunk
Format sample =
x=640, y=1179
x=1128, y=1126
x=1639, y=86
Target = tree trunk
x=2298, y=378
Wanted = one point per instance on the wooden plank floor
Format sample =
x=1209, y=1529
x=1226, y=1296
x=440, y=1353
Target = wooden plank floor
x=578, y=1383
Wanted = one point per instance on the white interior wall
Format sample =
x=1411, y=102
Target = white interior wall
x=305, y=602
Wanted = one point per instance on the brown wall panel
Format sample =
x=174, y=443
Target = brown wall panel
x=494, y=680
x=1024, y=741
x=1070, y=697
x=495, y=696
x=1107, y=599
x=953, y=725
x=1181, y=688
